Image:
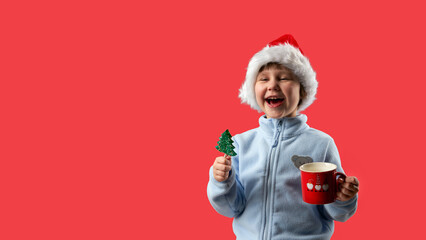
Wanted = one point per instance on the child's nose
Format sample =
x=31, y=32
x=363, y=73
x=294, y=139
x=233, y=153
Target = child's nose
x=273, y=85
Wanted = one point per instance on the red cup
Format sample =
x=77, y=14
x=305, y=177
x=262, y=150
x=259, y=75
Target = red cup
x=320, y=182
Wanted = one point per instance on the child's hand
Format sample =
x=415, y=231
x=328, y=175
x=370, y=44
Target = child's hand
x=221, y=168
x=348, y=188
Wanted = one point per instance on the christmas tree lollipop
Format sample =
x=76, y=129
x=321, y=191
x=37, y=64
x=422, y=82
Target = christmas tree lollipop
x=224, y=144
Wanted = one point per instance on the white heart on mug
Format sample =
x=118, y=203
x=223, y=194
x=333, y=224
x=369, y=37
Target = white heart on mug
x=310, y=186
x=318, y=187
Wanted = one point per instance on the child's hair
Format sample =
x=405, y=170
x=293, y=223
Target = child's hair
x=269, y=65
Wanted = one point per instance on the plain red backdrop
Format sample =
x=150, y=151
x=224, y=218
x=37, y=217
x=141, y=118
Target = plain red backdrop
x=111, y=111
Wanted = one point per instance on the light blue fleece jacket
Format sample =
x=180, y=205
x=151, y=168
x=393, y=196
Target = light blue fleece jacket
x=263, y=192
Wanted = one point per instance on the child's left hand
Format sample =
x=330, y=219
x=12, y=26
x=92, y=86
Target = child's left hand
x=348, y=188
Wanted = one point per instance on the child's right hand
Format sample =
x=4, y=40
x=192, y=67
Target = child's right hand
x=221, y=168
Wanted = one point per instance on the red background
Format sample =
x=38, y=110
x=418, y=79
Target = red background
x=111, y=110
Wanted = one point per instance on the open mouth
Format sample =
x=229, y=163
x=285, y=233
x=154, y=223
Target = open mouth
x=274, y=101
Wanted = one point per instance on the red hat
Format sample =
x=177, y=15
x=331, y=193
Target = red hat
x=286, y=51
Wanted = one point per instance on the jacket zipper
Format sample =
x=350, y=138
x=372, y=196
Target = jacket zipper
x=269, y=184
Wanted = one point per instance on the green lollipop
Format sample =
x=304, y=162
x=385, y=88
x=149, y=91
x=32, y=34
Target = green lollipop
x=224, y=144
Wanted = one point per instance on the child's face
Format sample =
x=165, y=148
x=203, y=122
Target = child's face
x=277, y=92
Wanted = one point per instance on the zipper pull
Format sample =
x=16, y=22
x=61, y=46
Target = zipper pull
x=279, y=126
x=277, y=135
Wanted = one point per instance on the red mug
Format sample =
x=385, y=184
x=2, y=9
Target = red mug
x=320, y=182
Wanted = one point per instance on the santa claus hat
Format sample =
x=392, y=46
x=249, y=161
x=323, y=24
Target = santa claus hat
x=287, y=52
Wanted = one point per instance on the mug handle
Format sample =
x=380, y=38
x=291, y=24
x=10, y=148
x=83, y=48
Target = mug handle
x=337, y=176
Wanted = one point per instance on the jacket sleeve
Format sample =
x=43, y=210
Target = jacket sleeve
x=227, y=197
x=339, y=211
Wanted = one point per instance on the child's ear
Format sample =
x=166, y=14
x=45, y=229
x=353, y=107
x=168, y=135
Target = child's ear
x=300, y=160
x=302, y=94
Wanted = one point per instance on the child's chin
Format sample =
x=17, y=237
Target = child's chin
x=274, y=115
x=277, y=114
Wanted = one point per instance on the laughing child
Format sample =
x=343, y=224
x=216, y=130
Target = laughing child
x=260, y=187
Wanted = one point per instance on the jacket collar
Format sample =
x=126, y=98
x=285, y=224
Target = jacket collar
x=287, y=127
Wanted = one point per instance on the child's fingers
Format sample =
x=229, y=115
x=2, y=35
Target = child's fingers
x=347, y=191
x=228, y=160
x=223, y=160
x=343, y=197
x=223, y=167
x=353, y=180
x=220, y=175
x=221, y=178
x=348, y=188
x=352, y=184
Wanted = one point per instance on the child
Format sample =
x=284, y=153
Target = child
x=260, y=187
